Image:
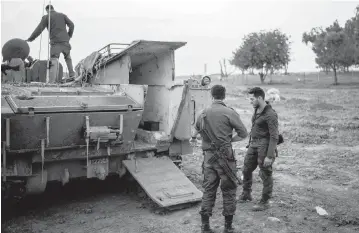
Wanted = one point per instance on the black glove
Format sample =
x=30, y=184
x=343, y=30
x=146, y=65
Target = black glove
x=280, y=139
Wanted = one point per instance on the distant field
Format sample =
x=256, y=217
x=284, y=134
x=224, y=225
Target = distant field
x=296, y=80
x=307, y=80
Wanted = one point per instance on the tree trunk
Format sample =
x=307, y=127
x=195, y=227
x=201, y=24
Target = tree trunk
x=286, y=69
x=225, y=68
x=222, y=74
x=335, y=76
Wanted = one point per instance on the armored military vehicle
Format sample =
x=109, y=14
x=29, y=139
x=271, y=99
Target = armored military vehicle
x=125, y=113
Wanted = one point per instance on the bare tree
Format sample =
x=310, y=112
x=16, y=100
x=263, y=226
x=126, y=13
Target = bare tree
x=224, y=72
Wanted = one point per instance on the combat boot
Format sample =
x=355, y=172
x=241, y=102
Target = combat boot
x=245, y=196
x=228, y=224
x=262, y=205
x=205, y=228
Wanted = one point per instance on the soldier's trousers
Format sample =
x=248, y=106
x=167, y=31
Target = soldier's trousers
x=255, y=157
x=64, y=47
x=213, y=176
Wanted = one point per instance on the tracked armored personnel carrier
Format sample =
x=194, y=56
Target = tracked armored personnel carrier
x=126, y=113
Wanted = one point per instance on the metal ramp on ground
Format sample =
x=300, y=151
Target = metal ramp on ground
x=163, y=181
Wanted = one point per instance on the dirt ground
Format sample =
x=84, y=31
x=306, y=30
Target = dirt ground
x=317, y=166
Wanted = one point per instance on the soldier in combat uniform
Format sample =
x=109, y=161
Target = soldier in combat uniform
x=262, y=148
x=215, y=125
x=59, y=36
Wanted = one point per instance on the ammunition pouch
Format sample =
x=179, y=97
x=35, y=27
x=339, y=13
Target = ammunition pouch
x=280, y=139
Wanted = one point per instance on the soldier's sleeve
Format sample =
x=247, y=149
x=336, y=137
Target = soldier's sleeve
x=38, y=30
x=198, y=123
x=272, y=121
x=70, y=24
x=237, y=124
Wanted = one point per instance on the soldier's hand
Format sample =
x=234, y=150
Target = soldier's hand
x=236, y=138
x=267, y=162
x=240, y=181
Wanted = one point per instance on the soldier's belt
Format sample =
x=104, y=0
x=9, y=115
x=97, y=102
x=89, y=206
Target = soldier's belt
x=259, y=139
x=280, y=139
x=210, y=149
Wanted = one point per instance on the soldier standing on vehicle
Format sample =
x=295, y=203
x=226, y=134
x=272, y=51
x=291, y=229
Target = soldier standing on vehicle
x=262, y=148
x=59, y=37
x=215, y=124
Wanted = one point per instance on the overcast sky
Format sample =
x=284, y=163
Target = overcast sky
x=212, y=29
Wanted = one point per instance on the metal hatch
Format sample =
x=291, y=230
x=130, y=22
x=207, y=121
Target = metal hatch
x=68, y=103
x=164, y=183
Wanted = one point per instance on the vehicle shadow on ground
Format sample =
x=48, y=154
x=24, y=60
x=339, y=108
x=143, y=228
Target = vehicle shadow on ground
x=75, y=191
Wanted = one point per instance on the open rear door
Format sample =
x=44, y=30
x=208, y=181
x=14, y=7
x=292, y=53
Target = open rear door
x=163, y=182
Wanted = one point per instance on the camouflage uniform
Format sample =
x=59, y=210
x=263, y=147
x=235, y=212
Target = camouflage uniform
x=265, y=128
x=222, y=121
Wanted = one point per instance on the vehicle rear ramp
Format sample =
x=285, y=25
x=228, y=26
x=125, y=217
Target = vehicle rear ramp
x=163, y=181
